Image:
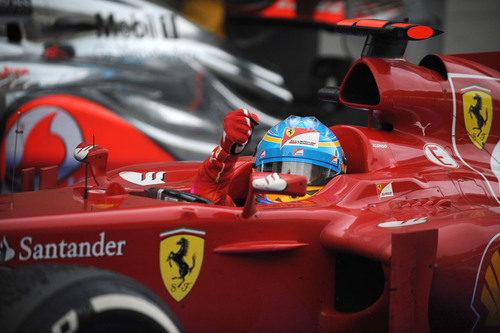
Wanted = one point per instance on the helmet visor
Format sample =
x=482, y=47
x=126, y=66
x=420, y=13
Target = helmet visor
x=316, y=175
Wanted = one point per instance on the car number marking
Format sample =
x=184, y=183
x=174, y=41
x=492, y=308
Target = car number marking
x=138, y=178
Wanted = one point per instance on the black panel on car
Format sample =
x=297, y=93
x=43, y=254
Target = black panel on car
x=360, y=87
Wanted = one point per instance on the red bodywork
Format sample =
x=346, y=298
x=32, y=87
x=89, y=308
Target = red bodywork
x=407, y=240
x=83, y=120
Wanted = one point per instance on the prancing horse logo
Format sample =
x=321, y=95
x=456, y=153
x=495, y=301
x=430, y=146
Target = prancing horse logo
x=476, y=111
x=181, y=257
x=478, y=114
x=178, y=258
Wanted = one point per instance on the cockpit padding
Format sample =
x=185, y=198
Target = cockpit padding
x=355, y=145
x=238, y=187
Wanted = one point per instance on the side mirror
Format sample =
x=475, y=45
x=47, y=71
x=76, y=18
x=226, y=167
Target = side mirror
x=96, y=157
x=272, y=183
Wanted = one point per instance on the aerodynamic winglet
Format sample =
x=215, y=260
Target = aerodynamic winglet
x=398, y=30
x=385, y=39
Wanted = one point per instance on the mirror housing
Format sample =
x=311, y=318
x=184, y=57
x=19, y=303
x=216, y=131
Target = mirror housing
x=96, y=157
x=272, y=183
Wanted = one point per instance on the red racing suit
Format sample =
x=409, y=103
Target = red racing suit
x=214, y=175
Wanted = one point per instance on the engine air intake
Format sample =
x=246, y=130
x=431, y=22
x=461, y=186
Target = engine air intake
x=360, y=87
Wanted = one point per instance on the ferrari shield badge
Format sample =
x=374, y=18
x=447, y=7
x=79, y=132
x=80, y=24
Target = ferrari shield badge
x=478, y=114
x=181, y=257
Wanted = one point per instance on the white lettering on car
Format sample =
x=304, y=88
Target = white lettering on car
x=271, y=182
x=150, y=178
x=393, y=224
x=63, y=249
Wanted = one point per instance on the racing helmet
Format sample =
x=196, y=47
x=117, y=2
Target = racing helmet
x=301, y=146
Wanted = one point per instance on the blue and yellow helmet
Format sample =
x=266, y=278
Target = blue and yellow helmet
x=303, y=146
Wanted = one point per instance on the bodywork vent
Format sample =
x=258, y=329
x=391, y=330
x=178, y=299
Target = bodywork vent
x=359, y=282
x=434, y=63
x=360, y=87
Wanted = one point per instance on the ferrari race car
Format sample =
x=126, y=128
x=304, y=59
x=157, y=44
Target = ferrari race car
x=406, y=241
x=71, y=71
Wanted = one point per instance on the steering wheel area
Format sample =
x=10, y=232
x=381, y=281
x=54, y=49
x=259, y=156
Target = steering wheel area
x=169, y=194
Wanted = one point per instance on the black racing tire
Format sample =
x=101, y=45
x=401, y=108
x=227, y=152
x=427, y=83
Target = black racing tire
x=63, y=298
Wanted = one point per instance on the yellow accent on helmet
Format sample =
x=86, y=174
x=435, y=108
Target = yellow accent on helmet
x=311, y=190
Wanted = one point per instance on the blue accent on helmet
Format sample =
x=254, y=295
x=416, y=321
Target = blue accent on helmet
x=301, y=139
x=261, y=199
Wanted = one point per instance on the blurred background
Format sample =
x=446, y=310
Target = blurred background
x=311, y=58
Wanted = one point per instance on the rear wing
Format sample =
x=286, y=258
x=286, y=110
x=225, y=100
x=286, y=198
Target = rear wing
x=385, y=38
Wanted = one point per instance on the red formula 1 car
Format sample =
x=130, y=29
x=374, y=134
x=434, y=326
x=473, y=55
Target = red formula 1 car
x=407, y=240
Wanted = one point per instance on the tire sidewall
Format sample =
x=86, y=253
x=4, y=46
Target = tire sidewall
x=57, y=298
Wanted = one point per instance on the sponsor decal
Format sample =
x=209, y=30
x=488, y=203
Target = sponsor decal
x=438, y=155
x=335, y=159
x=379, y=145
x=298, y=152
x=262, y=154
x=215, y=153
x=300, y=137
x=6, y=252
x=30, y=249
x=81, y=153
x=478, y=114
x=14, y=73
x=393, y=224
x=384, y=190
x=139, y=178
x=14, y=78
x=48, y=131
x=271, y=182
x=181, y=257
x=149, y=26
x=422, y=127
x=486, y=296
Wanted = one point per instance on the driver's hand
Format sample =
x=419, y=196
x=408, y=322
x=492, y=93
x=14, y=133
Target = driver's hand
x=238, y=126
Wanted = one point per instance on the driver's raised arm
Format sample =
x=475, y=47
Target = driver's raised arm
x=212, y=180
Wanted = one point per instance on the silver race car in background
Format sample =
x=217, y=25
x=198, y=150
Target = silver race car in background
x=131, y=75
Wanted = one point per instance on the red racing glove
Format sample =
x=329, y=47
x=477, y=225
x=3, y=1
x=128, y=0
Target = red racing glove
x=238, y=126
x=212, y=181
